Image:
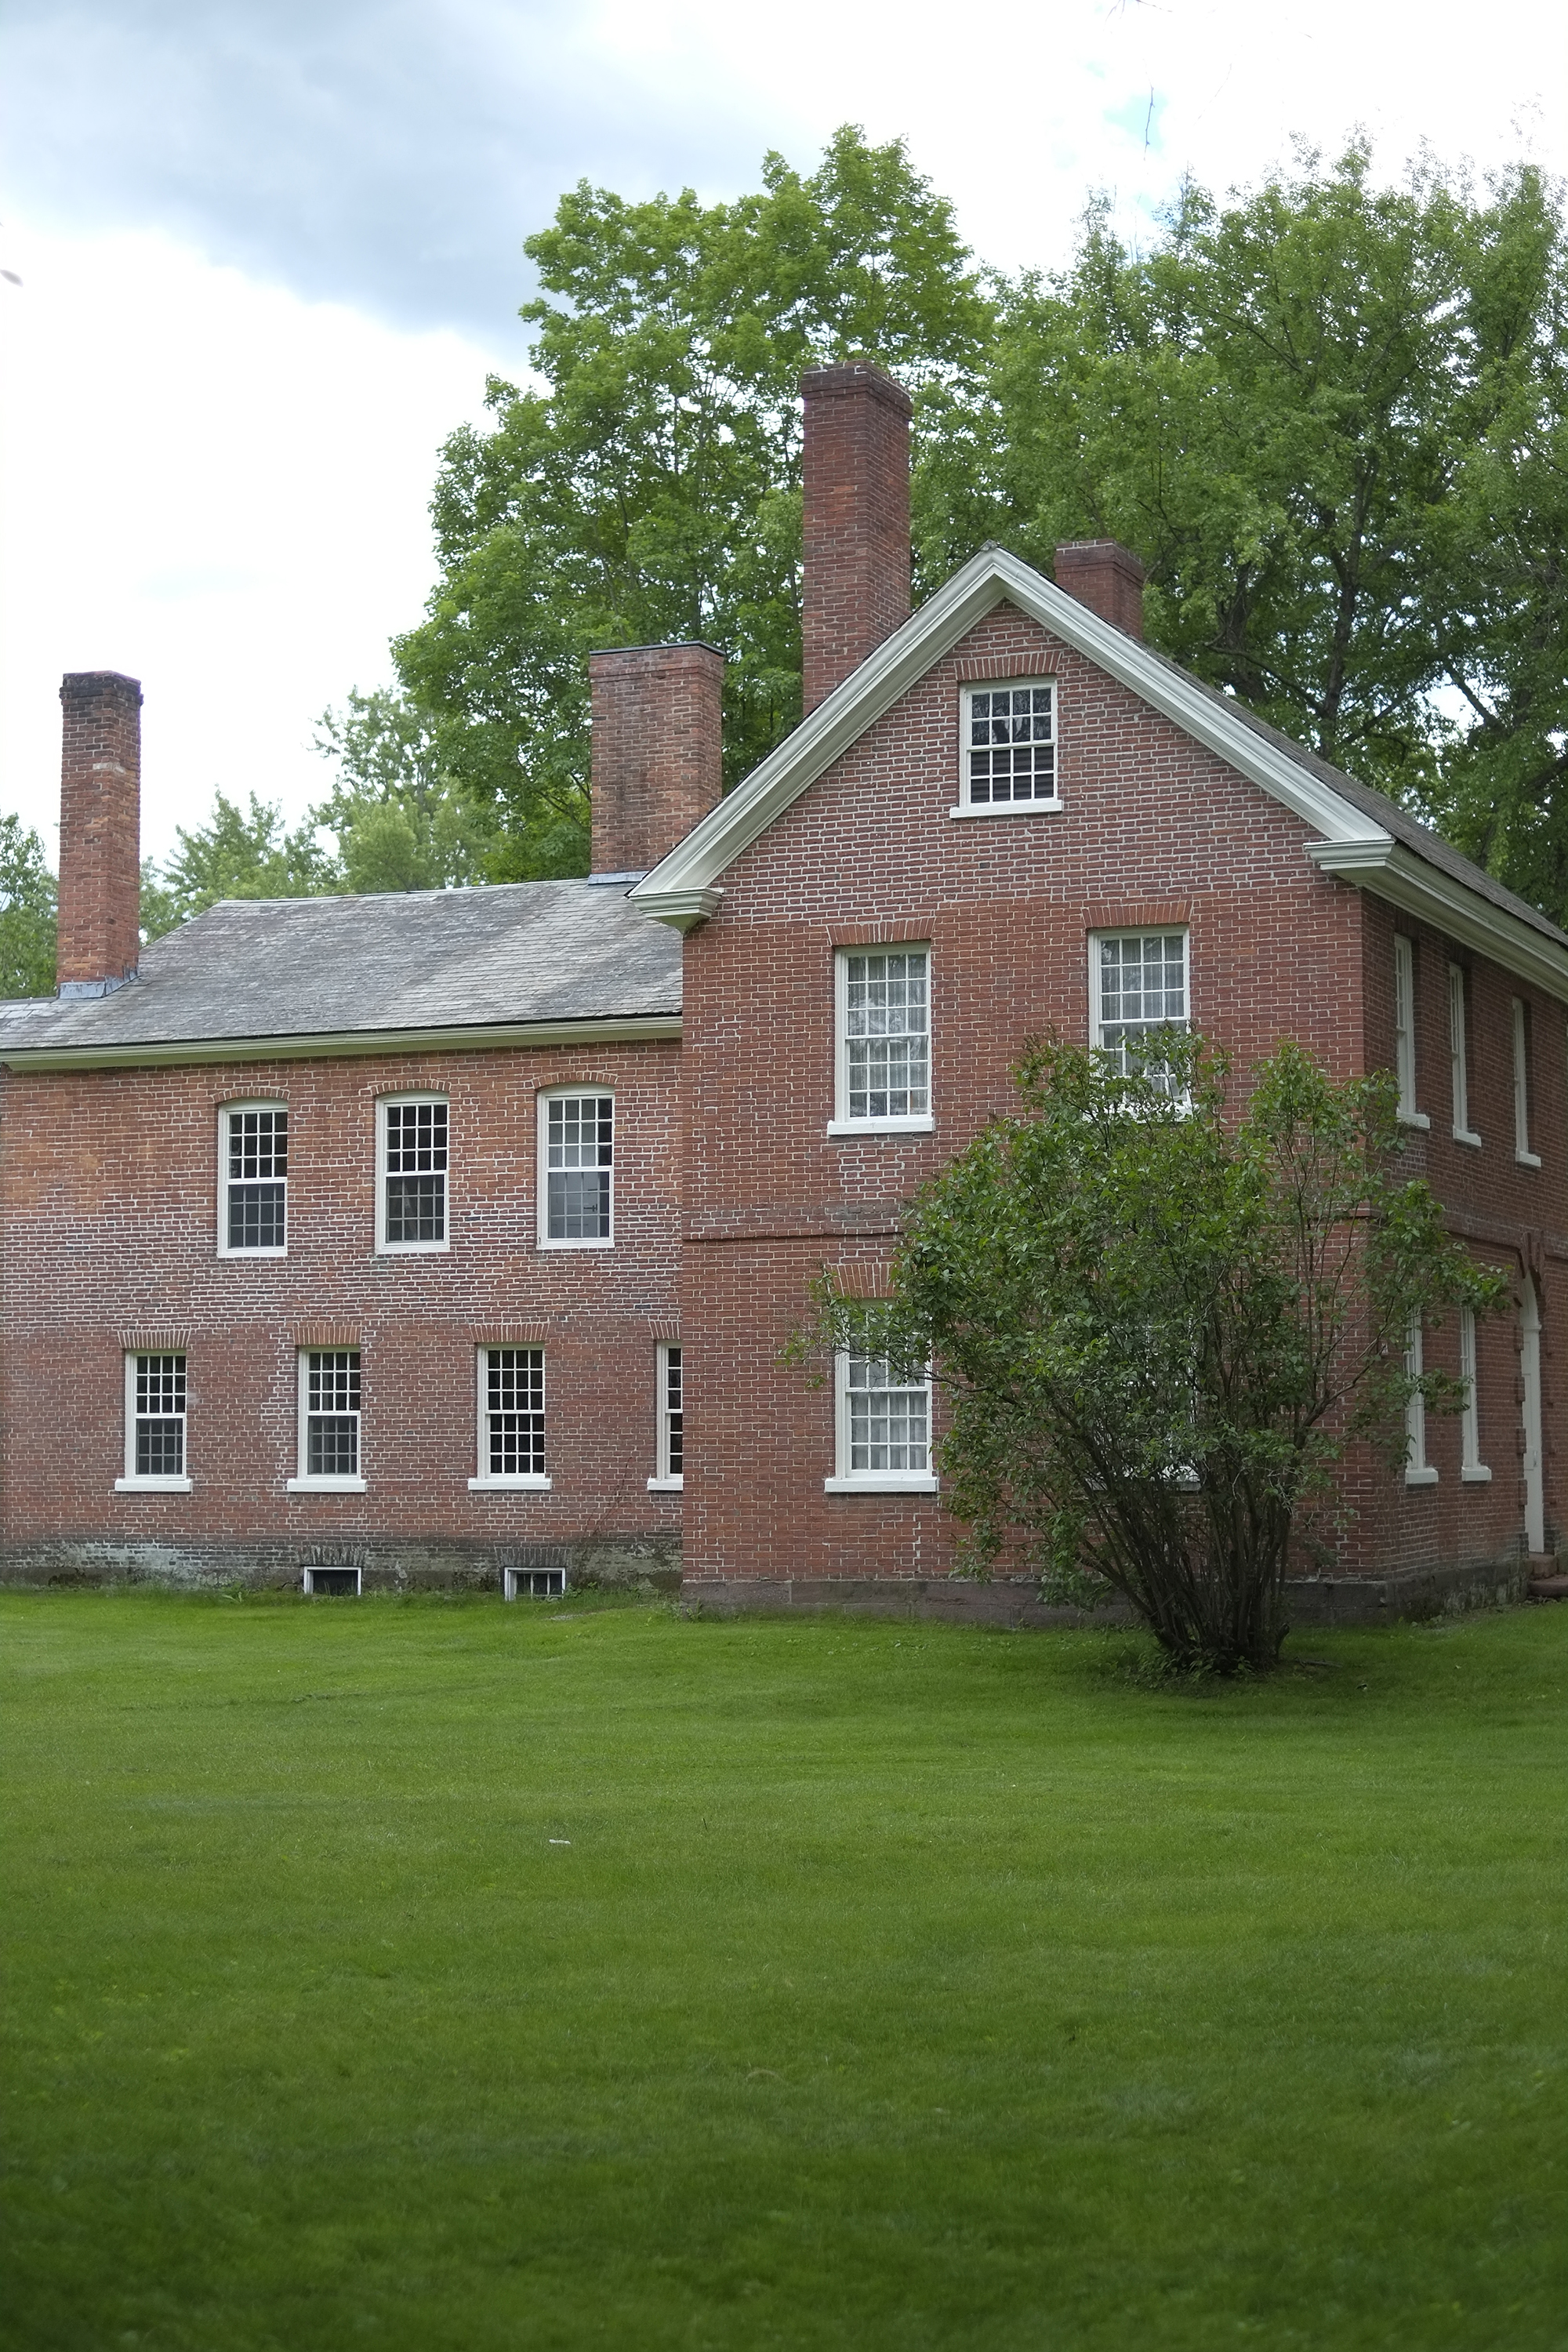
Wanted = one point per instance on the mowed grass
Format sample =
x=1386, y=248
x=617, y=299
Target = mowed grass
x=411, y=1975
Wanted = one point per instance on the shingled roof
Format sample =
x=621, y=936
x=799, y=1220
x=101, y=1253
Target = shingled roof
x=295, y=974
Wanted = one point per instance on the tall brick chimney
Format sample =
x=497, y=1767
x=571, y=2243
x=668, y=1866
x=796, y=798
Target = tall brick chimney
x=657, y=749
x=856, y=520
x=1105, y=576
x=100, y=833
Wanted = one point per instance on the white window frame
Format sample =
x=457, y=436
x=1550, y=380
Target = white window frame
x=847, y=1481
x=666, y=1481
x=563, y=1094
x=132, y=1482
x=385, y=1248
x=539, y=1481
x=1418, y=1471
x=332, y=1568
x=302, y=1483
x=965, y=807
x=532, y=1583
x=1519, y=1020
x=226, y=1111
x=1473, y=1471
x=1405, y=1030
x=841, y=1125
x=1459, y=1055
x=1136, y=931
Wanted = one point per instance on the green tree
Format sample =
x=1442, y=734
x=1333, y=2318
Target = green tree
x=26, y=913
x=1159, y=1324
x=1329, y=418
x=399, y=820
x=651, y=490
x=236, y=855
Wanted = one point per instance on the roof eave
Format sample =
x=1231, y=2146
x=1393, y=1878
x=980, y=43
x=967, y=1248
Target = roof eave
x=337, y=1044
x=1392, y=871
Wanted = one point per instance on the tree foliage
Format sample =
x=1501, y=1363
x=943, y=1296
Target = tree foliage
x=650, y=489
x=1330, y=418
x=27, y=901
x=1159, y=1323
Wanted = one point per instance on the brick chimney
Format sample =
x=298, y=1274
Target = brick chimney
x=856, y=520
x=100, y=833
x=657, y=749
x=1106, y=577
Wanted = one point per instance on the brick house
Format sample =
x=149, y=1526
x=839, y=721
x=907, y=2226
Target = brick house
x=395, y=1238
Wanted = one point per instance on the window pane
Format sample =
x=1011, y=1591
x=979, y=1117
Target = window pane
x=674, y=1417
x=256, y=1216
x=579, y=1155
x=258, y=1143
x=1143, y=989
x=889, y=1419
x=417, y=1208
x=1012, y=745
x=888, y=1035
x=332, y=1446
x=514, y=1397
x=160, y=1434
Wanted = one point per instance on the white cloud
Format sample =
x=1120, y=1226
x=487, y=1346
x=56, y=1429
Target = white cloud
x=217, y=488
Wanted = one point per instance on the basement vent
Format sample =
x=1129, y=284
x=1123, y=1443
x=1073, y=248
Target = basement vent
x=339, y=1582
x=534, y=1583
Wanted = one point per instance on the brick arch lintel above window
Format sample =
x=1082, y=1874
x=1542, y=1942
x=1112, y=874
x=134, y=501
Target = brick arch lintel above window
x=887, y=931
x=532, y=1333
x=1136, y=914
x=665, y=1328
x=860, y=1278
x=326, y=1334
x=157, y=1339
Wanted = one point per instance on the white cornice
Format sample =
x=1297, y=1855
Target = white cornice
x=993, y=576
x=1407, y=880
x=333, y=1044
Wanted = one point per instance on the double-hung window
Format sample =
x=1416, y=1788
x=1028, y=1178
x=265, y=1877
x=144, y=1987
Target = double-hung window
x=883, y=1428
x=1418, y=1471
x=511, y=1418
x=576, y=1160
x=1521, y=1150
x=1458, y=1053
x=1472, y=1469
x=253, y=1180
x=154, y=1424
x=331, y=1457
x=669, y=1420
x=1138, y=988
x=883, y=1020
x=1405, y=1030
x=1008, y=752
x=410, y=1186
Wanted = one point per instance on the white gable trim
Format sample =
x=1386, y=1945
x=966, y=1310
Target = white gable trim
x=670, y=894
x=684, y=889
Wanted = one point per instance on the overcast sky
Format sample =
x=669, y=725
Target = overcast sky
x=269, y=250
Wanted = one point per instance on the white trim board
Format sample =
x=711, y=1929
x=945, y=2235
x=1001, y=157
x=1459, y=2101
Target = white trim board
x=492, y=1038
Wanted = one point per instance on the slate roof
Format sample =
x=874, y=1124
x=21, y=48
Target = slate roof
x=437, y=959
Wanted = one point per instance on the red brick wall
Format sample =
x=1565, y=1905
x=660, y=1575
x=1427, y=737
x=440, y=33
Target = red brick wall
x=108, y=1196
x=100, y=819
x=657, y=749
x=1512, y=1216
x=1106, y=577
x=1154, y=829
x=855, y=528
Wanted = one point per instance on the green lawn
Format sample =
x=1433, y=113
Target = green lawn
x=420, y=1975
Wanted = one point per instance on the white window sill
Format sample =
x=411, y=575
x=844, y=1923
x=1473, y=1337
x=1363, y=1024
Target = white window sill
x=676, y=1486
x=412, y=1249
x=891, y=1485
x=1413, y=1119
x=253, y=1253
x=151, y=1485
x=536, y=1479
x=1426, y=1477
x=1527, y=1159
x=1467, y=1136
x=1006, y=808
x=1475, y=1473
x=840, y=1129
x=325, y=1487
x=600, y=1241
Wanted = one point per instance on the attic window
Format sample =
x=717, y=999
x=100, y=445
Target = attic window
x=1009, y=749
